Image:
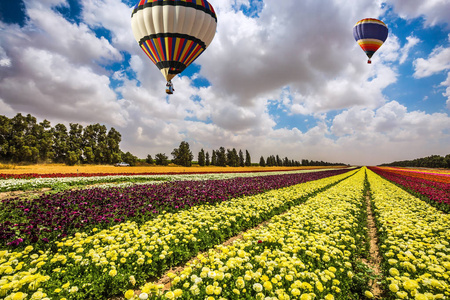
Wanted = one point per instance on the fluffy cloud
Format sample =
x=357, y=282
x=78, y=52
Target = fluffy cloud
x=433, y=11
x=371, y=135
x=438, y=61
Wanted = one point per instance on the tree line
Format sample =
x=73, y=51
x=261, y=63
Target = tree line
x=183, y=156
x=222, y=157
x=432, y=161
x=23, y=139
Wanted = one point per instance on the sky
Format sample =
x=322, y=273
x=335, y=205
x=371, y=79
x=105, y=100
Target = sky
x=281, y=77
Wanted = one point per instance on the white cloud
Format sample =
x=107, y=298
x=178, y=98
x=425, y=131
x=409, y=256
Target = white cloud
x=433, y=11
x=390, y=133
x=411, y=42
x=446, y=83
x=438, y=61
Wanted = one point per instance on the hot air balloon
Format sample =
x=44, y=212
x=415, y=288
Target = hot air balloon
x=370, y=35
x=173, y=33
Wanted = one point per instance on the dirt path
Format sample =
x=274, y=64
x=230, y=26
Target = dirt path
x=374, y=261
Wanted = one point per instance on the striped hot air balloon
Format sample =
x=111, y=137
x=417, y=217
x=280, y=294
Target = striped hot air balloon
x=173, y=33
x=370, y=35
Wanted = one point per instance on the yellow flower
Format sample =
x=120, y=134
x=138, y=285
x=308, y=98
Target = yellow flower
x=305, y=297
x=402, y=295
x=66, y=285
x=319, y=286
x=170, y=295
x=421, y=297
x=267, y=285
x=132, y=280
x=177, y=293
x=18, y=296
x=394, y=272
x=368, y=294
x=393, y=288
x=295, y=292
x=210, y=289
x=329, y=297
x=217, y=290
x=113, y=272
x=240, y=283
x=129, y=294
x=410, y=285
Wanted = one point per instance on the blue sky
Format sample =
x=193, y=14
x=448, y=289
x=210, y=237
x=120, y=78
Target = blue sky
x=280, y=77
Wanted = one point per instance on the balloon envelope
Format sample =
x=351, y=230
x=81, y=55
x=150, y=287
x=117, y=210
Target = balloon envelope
x=370, y=35
x=173, y=33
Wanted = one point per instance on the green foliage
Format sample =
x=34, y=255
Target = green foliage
x=161, y=159
x=22, y=139
x=183, y=155
x=433, y=161
x=201, y=158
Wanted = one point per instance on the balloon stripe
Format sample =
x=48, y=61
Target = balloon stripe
x=147, y=49
x=199, y=6
x=198, y=50
x=149, y=52
x=174, y=35
x=185, y=50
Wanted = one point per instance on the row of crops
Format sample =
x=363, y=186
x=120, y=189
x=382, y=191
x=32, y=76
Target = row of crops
x=61, y=181
x=310, y=247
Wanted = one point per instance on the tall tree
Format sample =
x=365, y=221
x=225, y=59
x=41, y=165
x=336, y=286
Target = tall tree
x=75, y=143
x=207, y=162
x=241, y=158
x=201, y=158
x=248, y=160
x=60, y=143
x=221, y=157
x=182, y=155
x=262, y=163
x=214, y=158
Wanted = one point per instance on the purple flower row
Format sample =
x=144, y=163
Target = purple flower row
x=54, y=216
x=438, y=192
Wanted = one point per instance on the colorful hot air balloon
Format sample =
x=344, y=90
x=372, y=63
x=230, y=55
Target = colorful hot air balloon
x=370, y=35
x=173, y=33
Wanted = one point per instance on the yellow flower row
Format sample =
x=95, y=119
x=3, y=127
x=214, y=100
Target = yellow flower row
x=415, y=242
x=306, y=253
x=109, y=258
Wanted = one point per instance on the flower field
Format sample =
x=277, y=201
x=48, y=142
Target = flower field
x=63, y=181
x=435, y=188
x=414, y=241
x=304, y=236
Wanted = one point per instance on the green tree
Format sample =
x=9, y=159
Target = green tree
x=221, y=159
x=45, y=141
x=182, y=155
x=112, y=140
x=248, y=160
x=75, y=143
x=201, y=158
x=72, y=158
x=241, y=158
x=207, y=162
x=149, y=160
x=262, y=163
x=161, y=159
x=214, y=158
x=129, y=158
x=60, y=143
